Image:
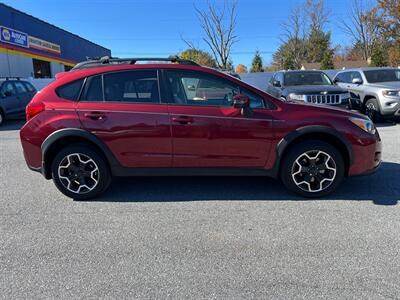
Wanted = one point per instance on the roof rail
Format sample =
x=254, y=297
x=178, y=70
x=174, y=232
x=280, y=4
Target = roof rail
x=10, y=77
x=108, y=60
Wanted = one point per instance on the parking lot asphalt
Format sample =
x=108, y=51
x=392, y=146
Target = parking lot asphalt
x=199, y=237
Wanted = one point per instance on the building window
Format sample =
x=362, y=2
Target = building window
x=41, y=69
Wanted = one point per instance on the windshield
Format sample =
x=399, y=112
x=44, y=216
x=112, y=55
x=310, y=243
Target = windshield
x=383, y=75
x=306, y=78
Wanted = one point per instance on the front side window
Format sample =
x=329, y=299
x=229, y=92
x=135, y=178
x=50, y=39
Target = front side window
x=343, y=77
x=132, y=86
x=306, y=78
x=8, y=90
x=29, y=87
x=21, y=89
x=192, y=88
x=355, y=75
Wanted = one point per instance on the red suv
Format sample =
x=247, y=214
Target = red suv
x=116, y=117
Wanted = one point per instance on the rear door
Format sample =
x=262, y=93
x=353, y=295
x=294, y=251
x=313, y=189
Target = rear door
x=9, y=98
x=22, y=95
x=31, y=91
x=207, y=131
x=123, y=109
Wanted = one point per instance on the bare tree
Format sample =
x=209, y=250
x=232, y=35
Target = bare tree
x=219, y=29
x=294, y=35
x=317, y=14
x=361, y=27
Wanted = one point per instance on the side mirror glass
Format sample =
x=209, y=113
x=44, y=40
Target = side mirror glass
x=276, y=83
x=357, y=81
x=243, y=102
x=240, y=101
x=191, y=87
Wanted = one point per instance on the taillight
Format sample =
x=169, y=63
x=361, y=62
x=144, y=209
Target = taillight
x=33, y=108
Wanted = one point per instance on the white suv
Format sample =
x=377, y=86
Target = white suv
x=377, y=88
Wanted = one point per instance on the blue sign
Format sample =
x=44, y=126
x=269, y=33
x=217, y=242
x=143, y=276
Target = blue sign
x=11, y=36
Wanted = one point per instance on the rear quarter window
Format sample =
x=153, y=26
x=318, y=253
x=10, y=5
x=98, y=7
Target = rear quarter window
x=71, y=90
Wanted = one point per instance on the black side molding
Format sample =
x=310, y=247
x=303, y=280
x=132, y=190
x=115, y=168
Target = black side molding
x=312, y=129
x=78, y=133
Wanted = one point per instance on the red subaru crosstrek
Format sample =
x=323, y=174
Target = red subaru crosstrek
x=116, y=117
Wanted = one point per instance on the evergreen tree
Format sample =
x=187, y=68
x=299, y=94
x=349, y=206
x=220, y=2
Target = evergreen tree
x=378, y=57
x=327, y=61
x=257, y=64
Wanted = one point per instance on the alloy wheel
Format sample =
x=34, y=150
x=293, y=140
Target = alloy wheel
x=370, y=110
x=78, y=173
x=314, y=171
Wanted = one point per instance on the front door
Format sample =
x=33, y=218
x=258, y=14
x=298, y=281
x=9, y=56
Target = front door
x=207, y=131
x=125, y=113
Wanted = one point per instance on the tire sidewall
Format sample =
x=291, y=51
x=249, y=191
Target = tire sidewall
x=2, y=117
x=377, y=114
x=104, y=176
x=302, y=147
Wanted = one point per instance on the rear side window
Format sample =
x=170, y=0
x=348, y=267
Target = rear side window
x=93, y=89
x=21, y=89
x=71, y=90
x=132, y=86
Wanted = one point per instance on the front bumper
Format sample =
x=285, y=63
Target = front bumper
x=367, y=154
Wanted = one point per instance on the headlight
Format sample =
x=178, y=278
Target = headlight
x=391, y=93
x=345, y=96
x=364, y=124
x=297, y=97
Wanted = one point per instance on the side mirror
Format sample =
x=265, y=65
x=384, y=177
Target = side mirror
x=357, y=81
x=240, y=101
x=276, y=83
x=243, y=102
x=191, y=87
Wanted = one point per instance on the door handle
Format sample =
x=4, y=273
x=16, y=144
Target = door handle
x=95, y=115
x=183, y=120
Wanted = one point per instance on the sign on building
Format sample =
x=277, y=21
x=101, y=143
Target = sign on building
x=15, y=37
x=22, y=39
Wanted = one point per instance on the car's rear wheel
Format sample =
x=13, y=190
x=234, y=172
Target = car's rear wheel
x=80, y=172
x=312, y=168
x=371, y=109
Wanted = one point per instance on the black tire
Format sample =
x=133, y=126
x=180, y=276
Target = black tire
x=372, y=110
x=78, y=152
x=289, y=167
x=2, y=117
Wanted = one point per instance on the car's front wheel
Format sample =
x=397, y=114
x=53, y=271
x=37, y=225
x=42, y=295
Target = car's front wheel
x=80, y=172
x=312, y=168
x=371, y=109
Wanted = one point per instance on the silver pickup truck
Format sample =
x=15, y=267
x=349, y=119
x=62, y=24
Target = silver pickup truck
x=377, y=88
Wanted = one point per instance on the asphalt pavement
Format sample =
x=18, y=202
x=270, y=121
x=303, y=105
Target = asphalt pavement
x=183, y=237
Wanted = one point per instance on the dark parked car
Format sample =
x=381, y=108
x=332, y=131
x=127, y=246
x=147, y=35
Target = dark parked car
x=310, y=86
x=15, y=94
x=113, y=117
